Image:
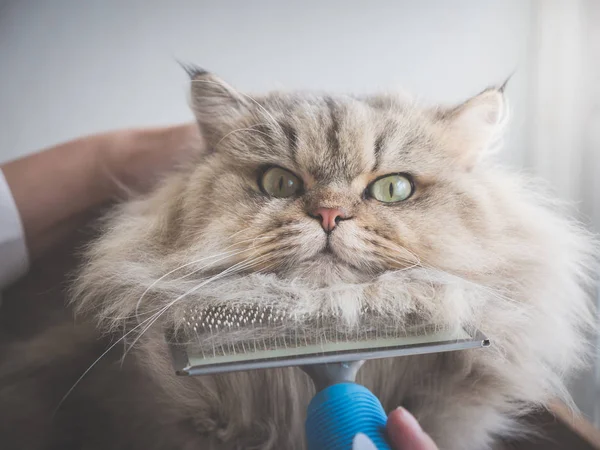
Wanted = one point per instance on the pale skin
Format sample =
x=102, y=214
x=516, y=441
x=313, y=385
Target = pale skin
x=56, y=189
x=405, y=433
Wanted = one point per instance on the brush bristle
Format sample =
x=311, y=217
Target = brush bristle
x=250, y=329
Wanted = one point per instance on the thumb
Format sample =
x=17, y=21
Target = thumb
x=405, y=433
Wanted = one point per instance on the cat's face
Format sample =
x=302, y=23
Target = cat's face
x=323, y=203
x=337, y=189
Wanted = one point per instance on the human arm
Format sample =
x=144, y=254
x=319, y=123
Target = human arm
x=54, y=190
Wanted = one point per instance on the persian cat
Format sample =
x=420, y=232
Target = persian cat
x=330, y=205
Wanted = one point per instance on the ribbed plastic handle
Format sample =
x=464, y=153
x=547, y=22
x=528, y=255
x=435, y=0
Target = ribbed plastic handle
x=337, y=413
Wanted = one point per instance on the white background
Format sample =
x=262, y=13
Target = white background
x=71, y=67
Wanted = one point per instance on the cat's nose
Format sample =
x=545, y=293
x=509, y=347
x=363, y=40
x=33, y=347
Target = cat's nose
x=329, y=217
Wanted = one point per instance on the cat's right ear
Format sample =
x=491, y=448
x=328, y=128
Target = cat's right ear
x=216, y=105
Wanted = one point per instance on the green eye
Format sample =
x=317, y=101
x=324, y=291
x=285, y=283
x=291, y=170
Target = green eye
x=280, y=183
x=391, y=188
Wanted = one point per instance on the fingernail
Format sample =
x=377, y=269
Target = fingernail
x=362, y=442
x=410, y=420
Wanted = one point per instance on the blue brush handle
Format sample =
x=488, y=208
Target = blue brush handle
x=337, y=413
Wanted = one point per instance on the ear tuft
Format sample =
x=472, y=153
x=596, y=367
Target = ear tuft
x=502, y=87
x=192, y=70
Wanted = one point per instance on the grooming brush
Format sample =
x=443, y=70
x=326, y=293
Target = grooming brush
x=221, y=339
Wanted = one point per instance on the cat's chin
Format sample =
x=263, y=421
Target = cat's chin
x=327, y=269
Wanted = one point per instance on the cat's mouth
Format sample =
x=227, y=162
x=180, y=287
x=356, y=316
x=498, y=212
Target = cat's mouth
x=332, y=255
x=329, y=268
x=328, y=249
x=328, y=254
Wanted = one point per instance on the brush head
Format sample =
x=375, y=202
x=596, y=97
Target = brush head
x=219, y=339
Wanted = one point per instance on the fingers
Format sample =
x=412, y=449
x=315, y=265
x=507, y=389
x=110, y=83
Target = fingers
x=405, y=433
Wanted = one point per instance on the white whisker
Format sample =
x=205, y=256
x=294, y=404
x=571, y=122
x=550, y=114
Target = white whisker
x=230, y=253
x=151, y=319
x=241, y=265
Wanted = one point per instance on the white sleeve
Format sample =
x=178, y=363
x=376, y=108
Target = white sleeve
x=14, y=258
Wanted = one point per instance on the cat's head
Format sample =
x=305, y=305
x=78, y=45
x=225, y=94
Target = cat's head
x=339, y=188
x=328, y=203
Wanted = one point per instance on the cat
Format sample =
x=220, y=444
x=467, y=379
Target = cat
x=325, y=204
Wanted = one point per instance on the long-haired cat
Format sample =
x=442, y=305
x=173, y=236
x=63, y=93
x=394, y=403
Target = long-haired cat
x=324, y=204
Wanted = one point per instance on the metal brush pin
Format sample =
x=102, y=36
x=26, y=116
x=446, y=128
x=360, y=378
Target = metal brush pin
x=227, y=338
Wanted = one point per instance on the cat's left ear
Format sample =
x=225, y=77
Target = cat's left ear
x=474, y=126
x=218, y=107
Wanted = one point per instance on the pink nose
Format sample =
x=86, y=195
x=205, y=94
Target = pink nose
x=329, y=217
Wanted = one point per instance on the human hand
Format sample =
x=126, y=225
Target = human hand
x=56, y=189
x=137, y=158
x=403, y=431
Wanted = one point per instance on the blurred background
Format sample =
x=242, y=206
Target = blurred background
x=73, y=67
